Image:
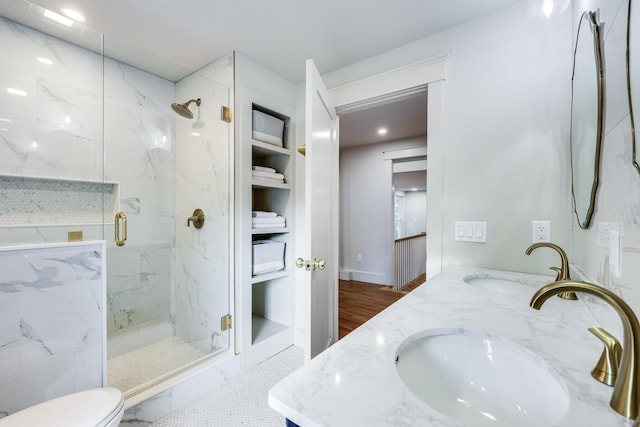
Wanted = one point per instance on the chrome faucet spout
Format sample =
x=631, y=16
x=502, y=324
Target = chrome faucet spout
x=626, y=391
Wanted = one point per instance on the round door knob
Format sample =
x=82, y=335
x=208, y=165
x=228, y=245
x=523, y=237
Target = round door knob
x=299, y=262
x=320, y=264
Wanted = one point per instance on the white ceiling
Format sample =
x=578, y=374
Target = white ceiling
x=173, y=38
x=278, y=34
x=403, y=119
x=410, y=181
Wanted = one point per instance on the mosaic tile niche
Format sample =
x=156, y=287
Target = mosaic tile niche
x=40, y=201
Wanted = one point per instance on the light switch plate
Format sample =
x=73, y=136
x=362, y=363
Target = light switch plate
x=470, y=231
x=604, y=229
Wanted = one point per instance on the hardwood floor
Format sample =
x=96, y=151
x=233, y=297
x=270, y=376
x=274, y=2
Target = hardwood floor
x=360, y=301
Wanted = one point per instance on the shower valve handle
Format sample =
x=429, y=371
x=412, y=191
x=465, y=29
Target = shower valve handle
x=197, y=219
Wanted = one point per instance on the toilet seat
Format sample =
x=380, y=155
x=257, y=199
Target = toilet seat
x=101, y=407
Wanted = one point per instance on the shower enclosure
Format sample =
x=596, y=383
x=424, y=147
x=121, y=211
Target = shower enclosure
x=90, y=143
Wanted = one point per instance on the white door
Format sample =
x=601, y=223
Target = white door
x=321, y=215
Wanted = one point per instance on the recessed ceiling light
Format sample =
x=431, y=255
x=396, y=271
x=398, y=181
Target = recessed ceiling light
x=14, y=91
x=382, y=131
x=58, y=18
x=45, y=60
x=73, y=14
x=194, y=134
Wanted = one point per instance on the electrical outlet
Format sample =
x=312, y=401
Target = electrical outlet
x=359, y=257
x=540, y=231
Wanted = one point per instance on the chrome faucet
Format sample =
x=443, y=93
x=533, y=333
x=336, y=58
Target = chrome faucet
x=563, y=271
x=626, y=391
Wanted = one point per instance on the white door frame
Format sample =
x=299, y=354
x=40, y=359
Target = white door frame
x=401, y=82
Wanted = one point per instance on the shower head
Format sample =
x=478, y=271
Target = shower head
x=183, y=109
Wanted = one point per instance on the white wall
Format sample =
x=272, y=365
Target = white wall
x=366, y=211
x=507, y=96
x=415, y=212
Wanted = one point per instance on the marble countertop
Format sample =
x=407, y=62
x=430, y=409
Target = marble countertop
x=355, y=382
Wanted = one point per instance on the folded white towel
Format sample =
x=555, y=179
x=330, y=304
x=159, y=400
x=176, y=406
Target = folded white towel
x=271, y=225
x=268, y=220
x=265, y=137
x=264, y=169
x=268, y=175
x=267, y=267
x=263, y=214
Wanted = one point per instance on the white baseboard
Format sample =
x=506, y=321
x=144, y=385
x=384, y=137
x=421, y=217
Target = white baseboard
x=365, y=276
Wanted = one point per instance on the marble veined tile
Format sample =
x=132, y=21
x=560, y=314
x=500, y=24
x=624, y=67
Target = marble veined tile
x=52, y=330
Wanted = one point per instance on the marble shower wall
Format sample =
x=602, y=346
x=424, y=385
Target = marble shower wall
x=618, y=198
x=204, y=167
x=71, y=132
x=57, y=113
x=52, y=310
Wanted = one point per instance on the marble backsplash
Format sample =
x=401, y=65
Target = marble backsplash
x=52, y=311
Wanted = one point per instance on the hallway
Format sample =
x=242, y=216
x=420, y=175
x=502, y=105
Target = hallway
x=360, y=301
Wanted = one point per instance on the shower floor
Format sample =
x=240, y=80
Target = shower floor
x=134, y=368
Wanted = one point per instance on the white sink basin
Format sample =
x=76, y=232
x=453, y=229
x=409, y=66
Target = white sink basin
x=496, y=284
x=481, y=379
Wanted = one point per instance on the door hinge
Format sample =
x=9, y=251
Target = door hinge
x=226, y=114
x=227, y=322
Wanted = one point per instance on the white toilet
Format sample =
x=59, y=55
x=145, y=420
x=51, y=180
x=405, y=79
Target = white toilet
x=100, y=407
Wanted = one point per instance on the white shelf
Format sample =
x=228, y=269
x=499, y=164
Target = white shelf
x=262, y=328
x=269, y=276
x=263, y=183
x=259, y=231
x=58, y=178
x=262, y=149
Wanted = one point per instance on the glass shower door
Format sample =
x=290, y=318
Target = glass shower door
x=168, y=285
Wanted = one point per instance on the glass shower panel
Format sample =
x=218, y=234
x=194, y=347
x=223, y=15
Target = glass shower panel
x=204, y=146
x=168, y=286
x=87, y=131
x=51, y=142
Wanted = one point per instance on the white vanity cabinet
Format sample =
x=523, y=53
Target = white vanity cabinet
x=265, y=300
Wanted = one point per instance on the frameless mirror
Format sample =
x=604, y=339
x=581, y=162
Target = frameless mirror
x=586, y=117
x=633, y=82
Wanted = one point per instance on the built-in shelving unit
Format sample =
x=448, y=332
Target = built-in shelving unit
x=266, y=299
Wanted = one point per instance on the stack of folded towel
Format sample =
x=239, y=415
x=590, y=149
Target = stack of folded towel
x=262, y=219
x=262, y=172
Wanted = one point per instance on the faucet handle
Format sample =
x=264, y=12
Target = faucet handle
x=558, y=272
x=606, y=370
x=563, y=295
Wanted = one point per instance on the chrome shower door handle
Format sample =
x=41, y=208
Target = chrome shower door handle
x=120, y=240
